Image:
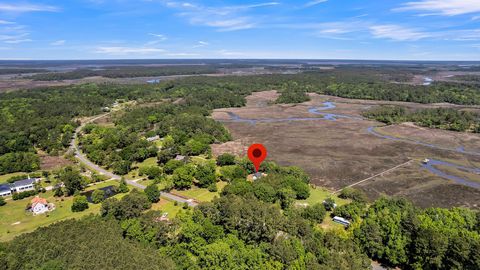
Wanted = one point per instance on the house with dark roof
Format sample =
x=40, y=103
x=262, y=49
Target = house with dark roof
x=18, y=186
x=5, y=190
x=24, y=185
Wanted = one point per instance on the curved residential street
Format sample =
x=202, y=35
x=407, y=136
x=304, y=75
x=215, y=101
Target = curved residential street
x=92, y=166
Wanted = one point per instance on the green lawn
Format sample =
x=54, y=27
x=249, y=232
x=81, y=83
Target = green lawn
x=167, y=206
x=201, y=194
x=5, y=177
x=133, y=174
x=15, y=220
x=318, y=195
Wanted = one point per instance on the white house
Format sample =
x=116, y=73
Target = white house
x=5, y=190
x=39, y=205
x=24, y=185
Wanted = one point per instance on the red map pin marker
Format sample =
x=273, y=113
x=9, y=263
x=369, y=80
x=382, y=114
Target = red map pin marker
x=257, y=154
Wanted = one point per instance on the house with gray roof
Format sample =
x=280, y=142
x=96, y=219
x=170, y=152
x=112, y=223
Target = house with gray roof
x=24, y=185
x=18, y=186
x=5, y=190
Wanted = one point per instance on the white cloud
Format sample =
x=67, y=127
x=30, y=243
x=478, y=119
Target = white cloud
x=159, y=37
x=442, y=7
x=16, y=41
x=6, y=22
x=462, y=35
x=201, y=44
x=25, y=7
x=228, y=25
x=15, y=38
x=117, y=50
x=182, y=54
x=230, y=53
x=314, y=3
x=224, y=18
x=58, y=42
x=397, y=33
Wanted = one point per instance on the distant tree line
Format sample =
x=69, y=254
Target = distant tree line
x=126, y=72
x=443, y=118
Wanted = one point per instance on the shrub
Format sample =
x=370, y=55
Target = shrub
x=225, y=159
x=2, y=201
x=98, y=196
x=123, y=188
x=80, y=203
x=153, y=193
x=232, y=172
x=212, y=187
x=172, y=165
x=315, y=213
x=22, y=195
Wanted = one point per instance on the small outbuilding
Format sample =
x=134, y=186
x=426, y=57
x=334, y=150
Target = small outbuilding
x=181, y=158
x=341, y=220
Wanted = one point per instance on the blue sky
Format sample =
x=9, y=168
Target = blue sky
x=312, y=29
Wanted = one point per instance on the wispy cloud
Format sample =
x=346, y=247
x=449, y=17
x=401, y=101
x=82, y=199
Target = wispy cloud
x=397, y=33
x=58, y=42
x=158, y=36
x=442, y=7
x=17, y=41
x=231, y=53
x=223, y=18
x=201, y=44
x=182, y=54
x=25, y=7
x=6, y=22
x=15, y=38
x=118, y=50
x=314, y=3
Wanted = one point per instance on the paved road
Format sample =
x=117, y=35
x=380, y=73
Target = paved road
x=92, y=166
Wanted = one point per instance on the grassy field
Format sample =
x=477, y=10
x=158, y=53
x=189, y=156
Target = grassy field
x=201, y=194
x=146, y=163
x=167, y=206
x=318, y=195
x=5, y=177
x=15, y=220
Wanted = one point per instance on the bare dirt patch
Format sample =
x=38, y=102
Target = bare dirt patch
x=238, y=147
x=262, y=99
x=53, y=162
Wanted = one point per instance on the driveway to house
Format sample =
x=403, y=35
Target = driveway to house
x=92, y=166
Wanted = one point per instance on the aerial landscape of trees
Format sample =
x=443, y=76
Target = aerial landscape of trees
x=246, y=228
x=261, y=224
